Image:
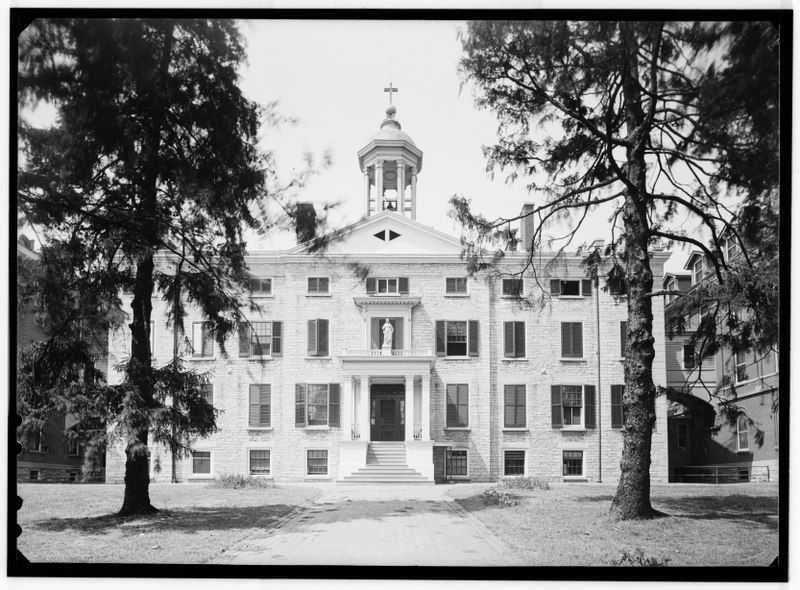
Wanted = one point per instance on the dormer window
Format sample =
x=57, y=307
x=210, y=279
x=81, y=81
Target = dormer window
x=698, y=269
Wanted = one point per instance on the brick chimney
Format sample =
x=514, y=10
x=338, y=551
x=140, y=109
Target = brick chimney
x=305, y=222
x=526, y=227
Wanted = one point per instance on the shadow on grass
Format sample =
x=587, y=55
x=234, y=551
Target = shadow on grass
x=189, y=520
x=754, y=509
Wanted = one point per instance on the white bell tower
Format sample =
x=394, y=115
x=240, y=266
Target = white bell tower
x=390, y=163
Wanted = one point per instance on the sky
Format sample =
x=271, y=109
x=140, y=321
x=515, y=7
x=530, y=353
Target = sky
x=331, y=76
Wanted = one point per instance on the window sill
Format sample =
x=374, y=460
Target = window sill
x=258, y=358
x=260, y=428
x=573, y=429
x=36, y=452
x=204, y=359
x=318, y=358
x=457, y=295
x=386, y=294
x=317, y=477
x=519, y=359
x=458, y=358
x=574, y=296
x=572, y=359
x=575, y=478
x=742, y=451
x=318, y=294
x=262, y=475
x=459, y=477
x=316, y=427
x=511, y=296
x=515, y=429
x=270, y=296
x=462, y=428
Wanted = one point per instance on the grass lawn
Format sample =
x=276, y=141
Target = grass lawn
x=76, y=523
x=711, y=525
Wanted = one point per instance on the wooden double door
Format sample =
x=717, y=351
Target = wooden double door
x=387, y=412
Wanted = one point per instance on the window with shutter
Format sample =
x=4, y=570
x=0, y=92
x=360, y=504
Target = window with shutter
x=317, y=404
x=457, y=405
x=571, y=340
x=318, y=337
x=557, y=411
x=570, y=288
x=260, y=339
x=623, y=338
x=456, y=338
x=260, y=406
x=514, y=410
x=318, y=285
x=514, y=339
x=572, y=404
x=589, y=402
x=617, y=410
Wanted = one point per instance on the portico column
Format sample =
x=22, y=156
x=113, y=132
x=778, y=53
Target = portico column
x=413, y=192
x=409, y=407
x=426, y=407
x=347, y=408
x=366, y=191
x=363, y=423
x=378, y=186
x=401, y=187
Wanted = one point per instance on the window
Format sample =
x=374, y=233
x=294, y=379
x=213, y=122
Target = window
x=261, y=405
x=514, y=406
x=623, y=338
x=455, y=286
x=698, y=269
x=37, y=441
x=259, y=462
x=571, y=340
x=456, y=463
x=573, y=406
x=258, y=339
x=317, y=337
x=207, y=393
x=457, y=338
x=318, y=285
x=261, y=287
x=34, y=475
x=572, y=403
x=669, y=285
x=201, y=462
x=742, y=434
x=514, y=339
x=457, y=406
x=514, y=463
x=573, y=463
x=683, y=435
x=743, y=363
x=731, y=248
x=73, y=447
x=376, y=332
x=387, y=285
x=688, y=356
x=571, y=287
x=202, y=340
x=317, y=404
x=512, y=287
x=317, y=462
x=617, y=407
x=73, y=476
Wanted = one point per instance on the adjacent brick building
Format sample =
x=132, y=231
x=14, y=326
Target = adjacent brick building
x=417, y=372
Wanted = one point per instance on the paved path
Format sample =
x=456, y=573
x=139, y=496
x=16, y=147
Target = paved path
x=376, y=525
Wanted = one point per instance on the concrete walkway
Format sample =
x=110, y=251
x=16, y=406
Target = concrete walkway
x=376, y=525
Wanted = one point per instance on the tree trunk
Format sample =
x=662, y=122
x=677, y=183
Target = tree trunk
x=632, y=500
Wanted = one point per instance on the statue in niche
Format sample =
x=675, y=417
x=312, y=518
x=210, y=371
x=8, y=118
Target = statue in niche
x=387, y=334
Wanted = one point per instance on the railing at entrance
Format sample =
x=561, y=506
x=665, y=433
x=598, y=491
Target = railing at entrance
x=394, y=352
x=417, y=431
x=354, y=433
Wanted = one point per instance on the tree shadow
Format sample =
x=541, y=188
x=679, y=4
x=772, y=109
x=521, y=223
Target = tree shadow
x=737, y=507
x=190, y=520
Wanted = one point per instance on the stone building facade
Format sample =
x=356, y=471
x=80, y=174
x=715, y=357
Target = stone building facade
x=480, y=377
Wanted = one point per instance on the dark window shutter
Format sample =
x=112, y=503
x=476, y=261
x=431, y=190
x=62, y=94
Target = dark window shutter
x=508, y=338
x=623, y=338
x=577, y=339
x=519, y=339
x=323, y=285
x=402, y=284
x=334, y=418
x=441, y=344
x=375, y=333
x=586, y=287
x=300, y=404
x=472, y=336
x=521, y=407
x=265, y=407
x=509, y=398
x=452, y=405
x=566, y=339
x=312, y=337
x=591, y=408
x=555, y=286
x=616, y=406
x=397, y=337
x=277, y=338
x=255, y=396
x=322, y=337
x=557, y=415
x=371, y=285
x=244, y=339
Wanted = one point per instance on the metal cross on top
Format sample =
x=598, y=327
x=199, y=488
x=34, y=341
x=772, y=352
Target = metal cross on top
x=391, y=90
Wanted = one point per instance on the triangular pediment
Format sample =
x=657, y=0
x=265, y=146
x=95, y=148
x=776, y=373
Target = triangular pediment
x=391, y=233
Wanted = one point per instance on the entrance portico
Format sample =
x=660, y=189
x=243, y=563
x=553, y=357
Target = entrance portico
x=386, y=398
